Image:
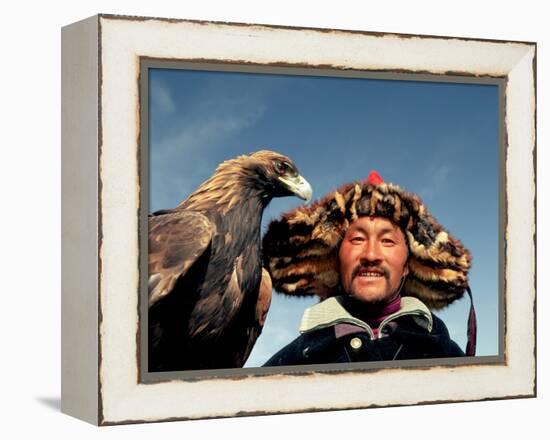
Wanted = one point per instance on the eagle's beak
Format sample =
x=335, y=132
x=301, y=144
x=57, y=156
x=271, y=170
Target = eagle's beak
x=298, y=185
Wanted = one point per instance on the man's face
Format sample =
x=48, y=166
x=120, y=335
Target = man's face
x=373, y=259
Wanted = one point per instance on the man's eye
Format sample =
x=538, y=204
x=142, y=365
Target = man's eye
x=357, y=239
x=387, y=241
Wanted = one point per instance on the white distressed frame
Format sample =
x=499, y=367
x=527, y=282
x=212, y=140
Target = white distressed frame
x=119, y=397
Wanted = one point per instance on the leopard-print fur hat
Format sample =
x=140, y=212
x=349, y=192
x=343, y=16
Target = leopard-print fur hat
x=300, y=249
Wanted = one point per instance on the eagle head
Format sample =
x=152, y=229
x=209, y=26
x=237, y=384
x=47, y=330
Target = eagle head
x=275, y=175
x=261, y=176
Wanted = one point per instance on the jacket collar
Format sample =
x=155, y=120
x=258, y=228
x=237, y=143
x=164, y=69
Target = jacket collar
x=331, y=312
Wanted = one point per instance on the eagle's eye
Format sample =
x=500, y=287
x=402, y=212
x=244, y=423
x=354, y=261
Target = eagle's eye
x=281, y=167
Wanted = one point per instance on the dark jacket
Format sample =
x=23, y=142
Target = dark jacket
x=330, y=334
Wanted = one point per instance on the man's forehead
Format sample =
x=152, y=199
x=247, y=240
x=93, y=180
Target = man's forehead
x=376, y=222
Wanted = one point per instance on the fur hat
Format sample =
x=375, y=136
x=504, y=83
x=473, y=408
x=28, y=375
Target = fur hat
x=301, y=248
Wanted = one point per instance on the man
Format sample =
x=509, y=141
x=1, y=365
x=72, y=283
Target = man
x=378, y=260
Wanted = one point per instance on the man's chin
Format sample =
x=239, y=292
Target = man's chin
x=369, y=297
x=369, y=291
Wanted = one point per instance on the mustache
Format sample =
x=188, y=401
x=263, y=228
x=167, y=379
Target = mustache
x=375, y=267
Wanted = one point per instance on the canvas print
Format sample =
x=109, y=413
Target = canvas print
x=246, y=219
x=307, y=220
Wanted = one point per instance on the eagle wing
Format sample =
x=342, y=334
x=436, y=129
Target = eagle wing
x=262, y=307
x=264, y=299
x=212, y=314
x=176, y=240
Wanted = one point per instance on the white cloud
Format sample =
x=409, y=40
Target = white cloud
x=180, y=160
x=438, y=182
x=161, y=96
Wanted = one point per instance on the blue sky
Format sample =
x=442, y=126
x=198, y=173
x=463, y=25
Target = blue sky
x=439, y=140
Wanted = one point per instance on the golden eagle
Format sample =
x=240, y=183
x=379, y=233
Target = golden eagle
x=208, y=293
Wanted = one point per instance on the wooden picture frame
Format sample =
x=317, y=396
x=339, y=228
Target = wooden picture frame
x=104, y=175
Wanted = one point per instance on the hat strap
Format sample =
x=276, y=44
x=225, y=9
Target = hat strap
x=472, y=327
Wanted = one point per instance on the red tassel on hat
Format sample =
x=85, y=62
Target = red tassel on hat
x=374, y=178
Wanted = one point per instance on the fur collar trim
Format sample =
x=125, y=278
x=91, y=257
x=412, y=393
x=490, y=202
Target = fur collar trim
x=331, y=312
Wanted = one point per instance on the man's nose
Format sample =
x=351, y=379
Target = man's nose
x=371, y=251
